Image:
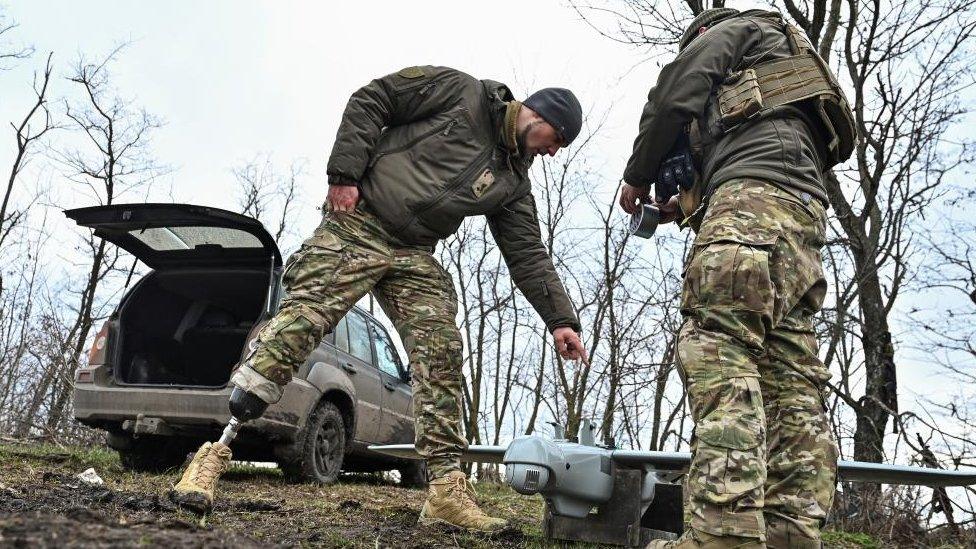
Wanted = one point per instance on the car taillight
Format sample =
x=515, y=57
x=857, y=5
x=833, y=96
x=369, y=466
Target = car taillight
x=97, y=353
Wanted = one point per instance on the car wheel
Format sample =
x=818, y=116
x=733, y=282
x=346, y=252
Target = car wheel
x=323, y=447
x=413, y=474
x=149, y=454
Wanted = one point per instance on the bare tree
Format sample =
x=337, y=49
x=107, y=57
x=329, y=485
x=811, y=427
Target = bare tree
x=903, y=108
x=111, y=160
x=9, y=50
x=18, y=334
x=26, y=137
x=269, y=196
x=950, y=331
x=632, y=327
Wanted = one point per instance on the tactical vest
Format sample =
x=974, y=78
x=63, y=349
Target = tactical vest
x=804, y=80
x=801, y=79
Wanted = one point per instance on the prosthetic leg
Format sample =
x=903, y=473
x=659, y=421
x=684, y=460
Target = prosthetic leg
x=195, y=491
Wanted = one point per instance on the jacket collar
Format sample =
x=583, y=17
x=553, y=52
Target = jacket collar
x=498, y=96
x=509, y=137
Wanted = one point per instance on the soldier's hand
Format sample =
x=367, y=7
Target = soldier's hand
x=669, y=210
x=343, y=198
x=568, y=345
x=632, y=197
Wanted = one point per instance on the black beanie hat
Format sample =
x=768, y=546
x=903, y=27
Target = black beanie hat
x=704, y=19
x=560, y=108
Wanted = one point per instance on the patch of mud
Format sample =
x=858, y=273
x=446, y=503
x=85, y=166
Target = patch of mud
x=59, y=493
x=61, y=511
x=39, y=529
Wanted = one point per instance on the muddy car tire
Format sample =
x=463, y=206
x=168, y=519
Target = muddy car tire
x=322, y=450
x=413, y=474
x=148, y=454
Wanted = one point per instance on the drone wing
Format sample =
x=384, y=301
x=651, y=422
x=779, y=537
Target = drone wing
x=850, y=471
x=860, y=471
x=476, y=453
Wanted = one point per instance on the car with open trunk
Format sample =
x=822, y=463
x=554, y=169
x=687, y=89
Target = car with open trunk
x=158, y=371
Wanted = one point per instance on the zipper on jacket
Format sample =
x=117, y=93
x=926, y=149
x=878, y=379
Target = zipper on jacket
x=450, y=126
x=446, y=127
x=461, y=178
x=545, y=292
x=424, y=86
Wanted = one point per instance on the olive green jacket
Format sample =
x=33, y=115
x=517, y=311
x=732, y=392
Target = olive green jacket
x=781, y=148
x=425, y=147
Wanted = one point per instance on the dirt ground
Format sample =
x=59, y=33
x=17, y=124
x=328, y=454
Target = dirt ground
x=44, y=504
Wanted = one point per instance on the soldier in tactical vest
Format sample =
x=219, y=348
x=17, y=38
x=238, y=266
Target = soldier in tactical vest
x=416, y=152
x=762, y=118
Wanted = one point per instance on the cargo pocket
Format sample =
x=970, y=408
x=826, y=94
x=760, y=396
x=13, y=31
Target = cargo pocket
x=730, y=274
x=316, y=262
x=286, y=341
x=730, y=459
x=325, y=239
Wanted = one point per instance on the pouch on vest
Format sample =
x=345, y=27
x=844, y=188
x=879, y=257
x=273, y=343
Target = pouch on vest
x=739, y=98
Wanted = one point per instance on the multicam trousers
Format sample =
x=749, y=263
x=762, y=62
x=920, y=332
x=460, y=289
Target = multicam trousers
x=348, y=255
x=762, y=453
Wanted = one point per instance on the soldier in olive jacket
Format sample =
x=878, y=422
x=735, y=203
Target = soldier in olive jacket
x=416, y=152
x=765, y=119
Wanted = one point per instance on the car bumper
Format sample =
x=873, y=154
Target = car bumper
x=166, y=410
x=93, y=403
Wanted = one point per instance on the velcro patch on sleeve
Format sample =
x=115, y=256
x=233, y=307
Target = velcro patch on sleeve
x=412, y=72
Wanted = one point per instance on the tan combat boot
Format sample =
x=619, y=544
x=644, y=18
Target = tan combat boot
x=450, y=500
x=195, y=490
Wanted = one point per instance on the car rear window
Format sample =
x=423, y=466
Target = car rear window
x=188, y=238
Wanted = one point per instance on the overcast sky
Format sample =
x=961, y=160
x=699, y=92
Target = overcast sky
x=233, y=79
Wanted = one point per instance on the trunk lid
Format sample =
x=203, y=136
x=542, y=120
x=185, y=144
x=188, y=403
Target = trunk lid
x=181, y=235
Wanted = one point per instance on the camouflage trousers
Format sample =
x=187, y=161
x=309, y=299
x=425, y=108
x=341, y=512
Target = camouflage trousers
x=762, y=452
x=349, y=255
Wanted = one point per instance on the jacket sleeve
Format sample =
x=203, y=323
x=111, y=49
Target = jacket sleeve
x=411, y=94
x=683, y=90
x=515, y=228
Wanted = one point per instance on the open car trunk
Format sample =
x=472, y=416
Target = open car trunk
x=187, y=322
x=188, y=327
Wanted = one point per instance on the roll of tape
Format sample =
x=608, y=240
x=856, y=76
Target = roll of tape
x=644, y=222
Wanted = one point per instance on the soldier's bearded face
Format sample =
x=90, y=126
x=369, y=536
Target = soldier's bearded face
x=538, y=137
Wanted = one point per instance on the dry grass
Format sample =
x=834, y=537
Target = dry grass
x=43, y=504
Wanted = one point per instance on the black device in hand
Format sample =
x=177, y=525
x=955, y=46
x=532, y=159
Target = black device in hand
x=677, y=170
